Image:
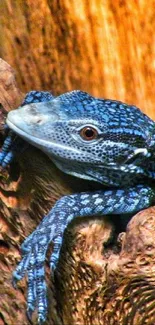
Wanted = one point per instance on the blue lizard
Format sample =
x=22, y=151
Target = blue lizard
x=95, y=139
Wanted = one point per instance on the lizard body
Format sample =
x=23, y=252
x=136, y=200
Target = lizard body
x=95, y=139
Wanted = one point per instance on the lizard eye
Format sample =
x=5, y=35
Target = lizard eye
x=88, y=133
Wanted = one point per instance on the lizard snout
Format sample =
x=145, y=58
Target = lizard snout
x=31, y=115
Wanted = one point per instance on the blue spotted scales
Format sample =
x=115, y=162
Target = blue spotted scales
x=100, y=140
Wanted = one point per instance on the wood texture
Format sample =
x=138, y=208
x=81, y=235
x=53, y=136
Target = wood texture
x=99, y=283
x=104, y=47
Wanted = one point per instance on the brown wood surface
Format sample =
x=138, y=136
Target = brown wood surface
x=104, y=47
x=107, y=48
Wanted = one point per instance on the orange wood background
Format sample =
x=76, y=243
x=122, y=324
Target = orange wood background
x=104, y=47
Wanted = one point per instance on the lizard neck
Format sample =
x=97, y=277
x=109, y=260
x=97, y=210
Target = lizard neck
x=111, y=177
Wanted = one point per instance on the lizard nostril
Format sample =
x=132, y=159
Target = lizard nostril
x=39, y=121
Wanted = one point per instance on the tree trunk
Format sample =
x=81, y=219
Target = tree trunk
x=105, y=48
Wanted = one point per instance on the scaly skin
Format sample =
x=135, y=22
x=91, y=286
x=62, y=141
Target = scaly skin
x=13, y=144
x=120, y=155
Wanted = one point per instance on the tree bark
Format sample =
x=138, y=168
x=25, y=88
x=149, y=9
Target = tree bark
x=104, y=47
x=107, y=49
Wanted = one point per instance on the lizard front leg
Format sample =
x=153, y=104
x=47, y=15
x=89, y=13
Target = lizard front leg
x=52, y=228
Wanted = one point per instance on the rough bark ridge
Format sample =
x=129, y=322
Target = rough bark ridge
x=104, y=47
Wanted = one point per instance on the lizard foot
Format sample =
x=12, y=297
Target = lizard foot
x=34, y=251
x=33, y=264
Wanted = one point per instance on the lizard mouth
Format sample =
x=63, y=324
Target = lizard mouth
x=16, y=129
x=42, y=144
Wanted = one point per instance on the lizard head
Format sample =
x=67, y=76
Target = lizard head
x=84, y=135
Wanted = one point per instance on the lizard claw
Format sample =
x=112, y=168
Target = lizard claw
x=29, y=313
x=20, y=271
x=41, y=319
